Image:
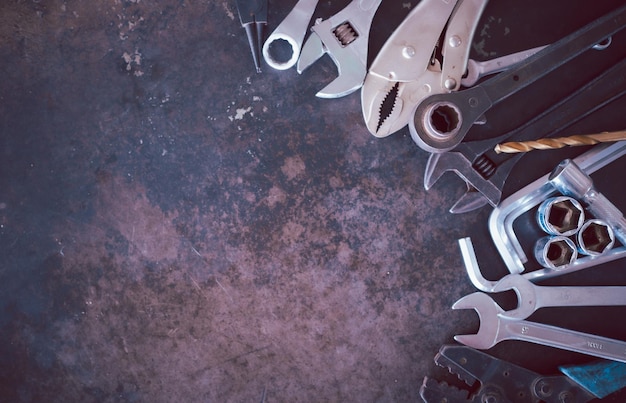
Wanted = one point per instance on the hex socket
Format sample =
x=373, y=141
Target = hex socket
x=561, y=215
x=555, y=252
x=595, y=237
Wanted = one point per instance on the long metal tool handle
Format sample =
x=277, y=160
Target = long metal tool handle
x=564, y=339
x=555, y=55
x=580, y=296
x=494, y=168
x=472, y=103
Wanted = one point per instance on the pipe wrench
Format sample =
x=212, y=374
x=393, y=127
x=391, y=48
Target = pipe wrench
x=485, y=171
x=441, y=121
x=344, y=36
x=405, y=71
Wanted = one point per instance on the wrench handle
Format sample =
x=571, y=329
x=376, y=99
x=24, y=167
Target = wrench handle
x=565, y=339
x=472, y=103
x=558, y=296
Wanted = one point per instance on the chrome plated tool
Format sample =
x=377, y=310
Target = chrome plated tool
x=460, y=110
x=486, y=171
x=572, y=181
x=495, y=328
x=478, y=69
x=494, y=380
x=253, y=17
x=292, y=30
x=344, y=36
x=532, y=297
x=404, y=72
x=504, y=215
x=480, y=282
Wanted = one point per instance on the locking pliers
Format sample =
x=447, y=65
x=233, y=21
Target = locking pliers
x=413, y=64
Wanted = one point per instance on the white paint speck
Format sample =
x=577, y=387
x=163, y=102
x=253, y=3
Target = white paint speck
x=241, y=112
x=228, y=12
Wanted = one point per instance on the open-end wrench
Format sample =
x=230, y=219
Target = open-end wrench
x=532, y=297
x=494, y=328
x=486, y=171
x=292, y=30
x=344, y=36
x=462, y=109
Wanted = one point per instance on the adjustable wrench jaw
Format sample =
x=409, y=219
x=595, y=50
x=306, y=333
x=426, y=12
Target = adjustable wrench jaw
x=344, y=37
x=479, y=190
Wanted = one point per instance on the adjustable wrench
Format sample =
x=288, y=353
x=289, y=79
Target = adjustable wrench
x=464, y=108
x=532, y=297
x=485, y=171
x=344, y=36
x=292, y=29
x=495, y=328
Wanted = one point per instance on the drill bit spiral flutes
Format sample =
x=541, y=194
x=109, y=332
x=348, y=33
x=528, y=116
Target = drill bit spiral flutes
x=559, y=142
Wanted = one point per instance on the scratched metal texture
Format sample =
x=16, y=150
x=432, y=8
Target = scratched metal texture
x=176, y=227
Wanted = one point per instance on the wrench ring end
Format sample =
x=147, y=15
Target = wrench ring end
x=295, y=51
x=436, y=127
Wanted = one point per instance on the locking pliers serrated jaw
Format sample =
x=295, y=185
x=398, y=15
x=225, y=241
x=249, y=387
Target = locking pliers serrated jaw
x=405, y=71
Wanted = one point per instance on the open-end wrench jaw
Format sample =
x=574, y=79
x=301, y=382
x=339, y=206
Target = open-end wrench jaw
x=525, y=292
x=487, y=310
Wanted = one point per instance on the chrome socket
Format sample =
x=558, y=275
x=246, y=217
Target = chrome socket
x=555, y=252
x=595, y=237
x=561, y=215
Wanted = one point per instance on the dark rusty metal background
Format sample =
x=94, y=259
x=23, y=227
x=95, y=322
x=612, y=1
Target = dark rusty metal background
x=176, y=227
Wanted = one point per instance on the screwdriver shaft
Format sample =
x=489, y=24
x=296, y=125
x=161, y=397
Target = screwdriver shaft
x=559, y=142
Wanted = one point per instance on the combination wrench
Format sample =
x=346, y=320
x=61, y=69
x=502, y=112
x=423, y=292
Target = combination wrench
x=462, y=109
x=495, y=328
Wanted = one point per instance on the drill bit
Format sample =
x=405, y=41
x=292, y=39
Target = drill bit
x=559, y=142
